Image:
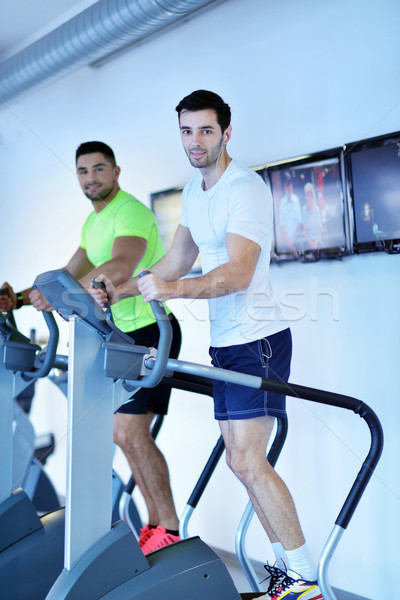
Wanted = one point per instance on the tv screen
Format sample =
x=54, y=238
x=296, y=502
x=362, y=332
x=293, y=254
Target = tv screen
x=167, y=208
x=310, y=217
x=373, y=168
x=263, y=173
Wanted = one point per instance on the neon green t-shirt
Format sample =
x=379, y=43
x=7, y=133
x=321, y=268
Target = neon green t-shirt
x=124, y=216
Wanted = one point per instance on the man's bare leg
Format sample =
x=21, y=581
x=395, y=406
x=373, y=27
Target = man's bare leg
x=148, y=465
x=246, y=441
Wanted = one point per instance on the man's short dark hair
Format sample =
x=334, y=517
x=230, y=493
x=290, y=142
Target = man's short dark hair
x=203, y=99
x=91, y=147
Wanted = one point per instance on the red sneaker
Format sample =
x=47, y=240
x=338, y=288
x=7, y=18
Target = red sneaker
x=144, y=535
x=158, y=538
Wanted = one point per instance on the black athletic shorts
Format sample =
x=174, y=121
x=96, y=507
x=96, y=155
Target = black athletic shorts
x=155, y=399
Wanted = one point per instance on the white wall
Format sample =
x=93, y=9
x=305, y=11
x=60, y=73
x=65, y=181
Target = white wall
x=300, y=77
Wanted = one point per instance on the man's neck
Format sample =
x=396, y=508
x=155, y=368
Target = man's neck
x=99, y=205
x=215, y=171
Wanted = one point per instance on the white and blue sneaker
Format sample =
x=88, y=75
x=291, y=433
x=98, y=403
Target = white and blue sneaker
x=284, y=587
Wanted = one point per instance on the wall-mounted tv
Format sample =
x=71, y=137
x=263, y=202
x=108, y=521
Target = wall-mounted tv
x=310, y=212
x=167, y=207
x=373, y=173
x=263, y=173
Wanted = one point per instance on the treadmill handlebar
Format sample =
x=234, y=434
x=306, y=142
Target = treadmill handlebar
x=99, y=285
x=159, y=365
x=68, y=297
x=49, y=357
x=60, y=360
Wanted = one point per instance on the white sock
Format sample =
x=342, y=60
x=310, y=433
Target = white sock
x=301, y=562
x=280, y=555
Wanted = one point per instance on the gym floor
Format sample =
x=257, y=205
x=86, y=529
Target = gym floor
x=236, y=572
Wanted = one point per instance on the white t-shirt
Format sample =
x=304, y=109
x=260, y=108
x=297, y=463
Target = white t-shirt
x=239, y=203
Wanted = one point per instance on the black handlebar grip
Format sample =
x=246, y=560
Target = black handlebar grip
x=99, y=285
x=164, y=344
x=155, y=304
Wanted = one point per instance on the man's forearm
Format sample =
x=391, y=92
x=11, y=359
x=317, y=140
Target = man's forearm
x=23, y=297
x=161, y=269
x=127, y=289
x=221, y=281
x=224, y=280
x=233, y=276
x=169, y=268
x=114, y=269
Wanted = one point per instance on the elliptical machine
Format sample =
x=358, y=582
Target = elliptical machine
x=31, y=548
x=30, y=452
x=106, y=563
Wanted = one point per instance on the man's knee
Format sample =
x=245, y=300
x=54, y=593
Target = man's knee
x=247, y=464
x=122, y=438
x=131, y=432
x=240, y=464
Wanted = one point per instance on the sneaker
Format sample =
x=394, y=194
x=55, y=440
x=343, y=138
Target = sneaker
x=284, y=587
x=158, y=538
x=144, y=535
x=275, y=576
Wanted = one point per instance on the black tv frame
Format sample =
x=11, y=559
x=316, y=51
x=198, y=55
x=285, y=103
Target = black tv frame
x=263, y=173
x=390, y=244
x=312, y=160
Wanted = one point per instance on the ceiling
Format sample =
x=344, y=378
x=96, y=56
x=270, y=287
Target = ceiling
x=41, y=39
x=25, y=21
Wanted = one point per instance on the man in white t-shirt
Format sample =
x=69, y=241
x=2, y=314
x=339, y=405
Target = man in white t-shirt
x=227, y=217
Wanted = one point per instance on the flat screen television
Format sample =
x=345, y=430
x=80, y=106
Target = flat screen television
x=263, y=173
x=167, y=208
x=310, y=211
x=373, y=173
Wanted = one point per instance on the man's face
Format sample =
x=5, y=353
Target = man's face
x=96, y=175
x=201, y=136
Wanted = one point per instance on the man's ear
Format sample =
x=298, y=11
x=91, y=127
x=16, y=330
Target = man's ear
x=227, y=134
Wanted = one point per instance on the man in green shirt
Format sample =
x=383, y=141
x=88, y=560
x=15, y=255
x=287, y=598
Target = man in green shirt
x=119, y=238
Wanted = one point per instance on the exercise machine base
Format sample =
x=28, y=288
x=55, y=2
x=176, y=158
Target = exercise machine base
x=30, y=565
x=189, y=566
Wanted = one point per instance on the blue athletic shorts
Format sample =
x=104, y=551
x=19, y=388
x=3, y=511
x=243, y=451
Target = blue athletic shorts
x=269, y=357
